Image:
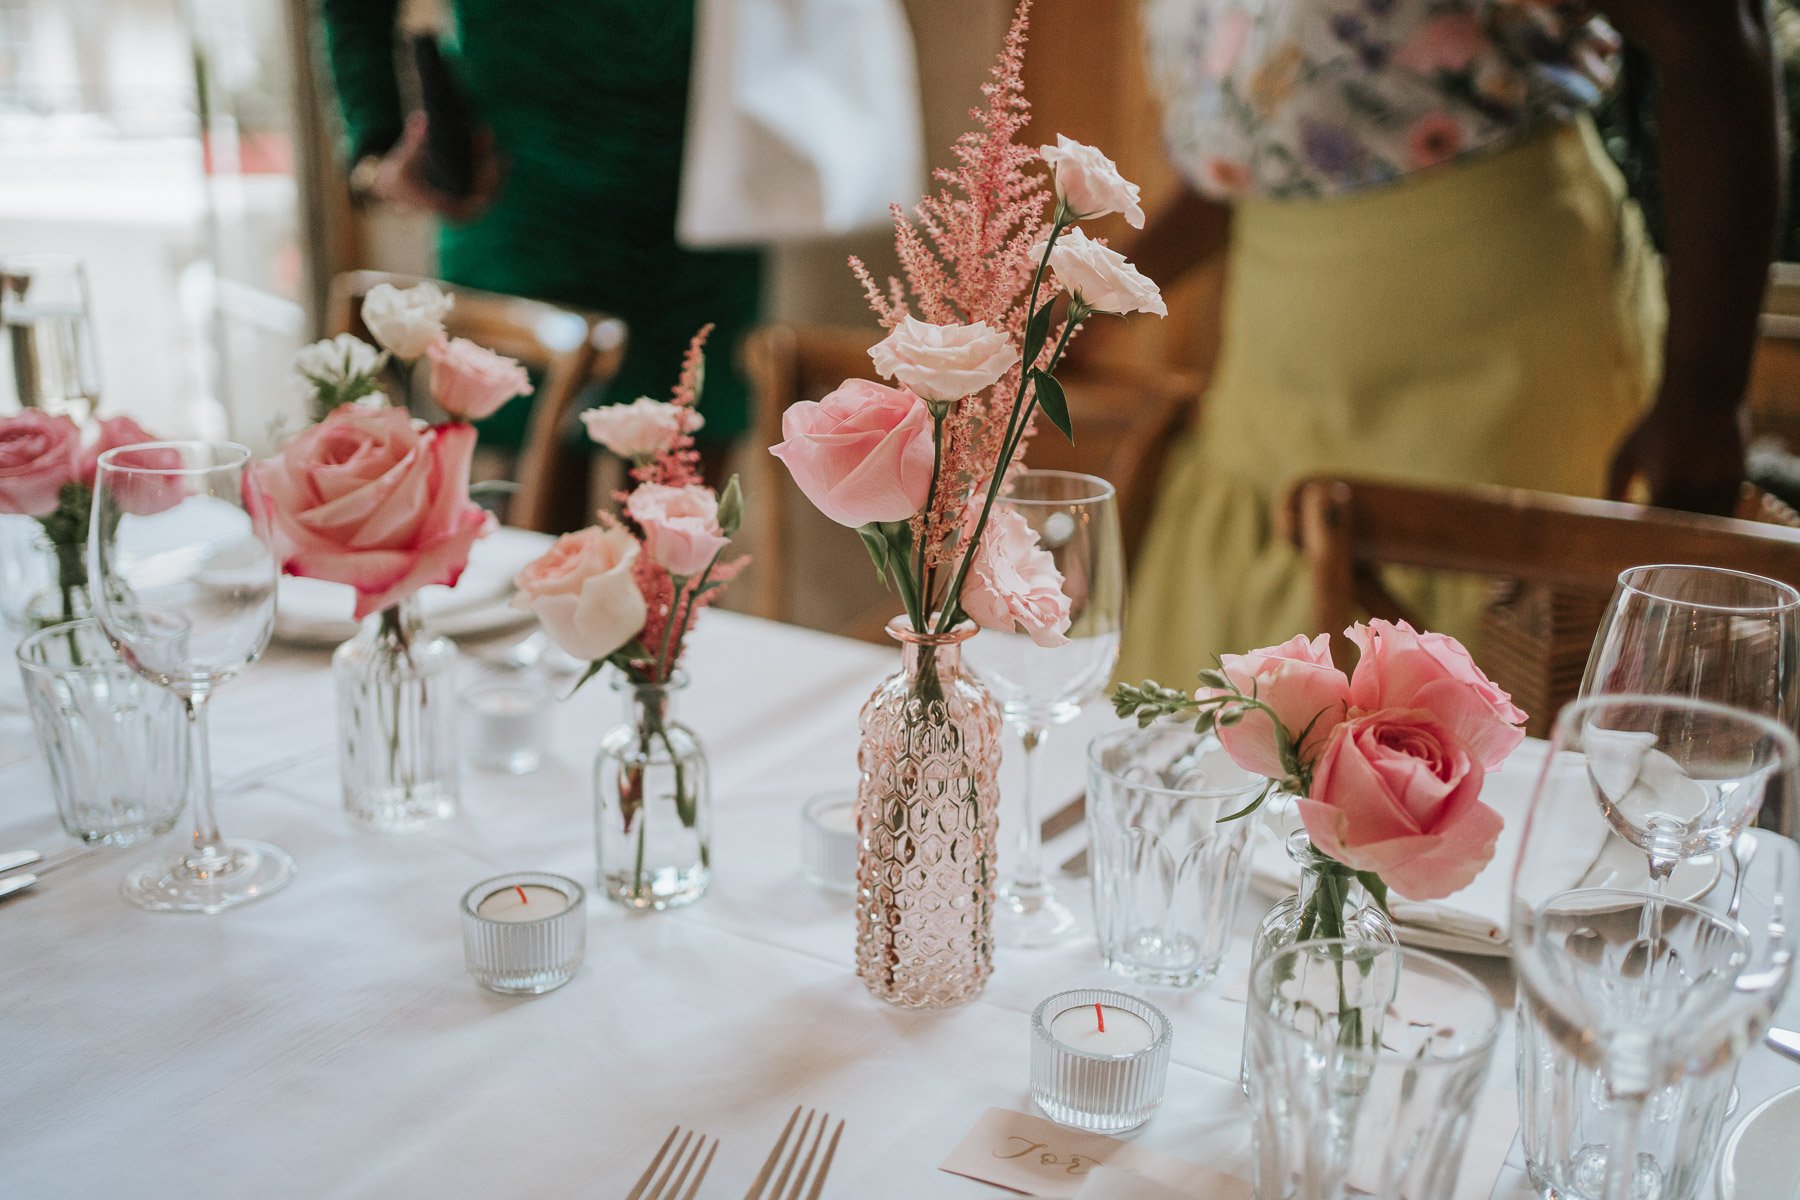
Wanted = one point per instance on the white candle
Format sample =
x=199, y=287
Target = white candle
x=838, y=818
x=527, y=902
x=1081, y=1029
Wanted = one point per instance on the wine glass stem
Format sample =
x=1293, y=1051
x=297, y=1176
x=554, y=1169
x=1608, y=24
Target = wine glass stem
x=207, y=843
x=1621, y=1154
x=1030, y=871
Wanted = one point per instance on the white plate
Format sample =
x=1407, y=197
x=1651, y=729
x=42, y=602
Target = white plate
x=1620, y=865
x=1761, y=1159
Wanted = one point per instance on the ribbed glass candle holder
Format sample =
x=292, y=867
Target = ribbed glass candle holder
x=511, y=950
x=1089, y=1077
x=828, y=841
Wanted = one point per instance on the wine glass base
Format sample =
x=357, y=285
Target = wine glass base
x=185, y=881
x=1030, y=917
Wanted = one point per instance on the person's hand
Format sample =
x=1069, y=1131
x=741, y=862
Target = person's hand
x=1688, y=452
x=401, y=177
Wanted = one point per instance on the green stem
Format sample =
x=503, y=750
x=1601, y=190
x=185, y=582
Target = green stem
x=937, y=463
x=662, y=651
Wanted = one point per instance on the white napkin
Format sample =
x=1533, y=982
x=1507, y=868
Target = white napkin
x=312, y=610
x=1481, y=911
x=1118, y=1183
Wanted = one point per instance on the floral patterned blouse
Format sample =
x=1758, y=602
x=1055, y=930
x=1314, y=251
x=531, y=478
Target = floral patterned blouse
x=1306, y=98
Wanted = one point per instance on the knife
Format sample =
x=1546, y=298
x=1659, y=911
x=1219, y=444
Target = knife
x=16, y=883
x=1784, y=1041
x=12, y=860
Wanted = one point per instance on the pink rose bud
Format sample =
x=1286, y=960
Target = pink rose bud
x=1403, y=668
x=583, y=592
x=680, y=524
x=368, y=499
x=471, y=382
x=38, y=454
x=861, y=454
x=1399, y=794
x=1297, y=680
x=1013, y=585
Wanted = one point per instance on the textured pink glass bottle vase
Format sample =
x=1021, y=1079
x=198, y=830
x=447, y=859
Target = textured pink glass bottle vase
x=927, y=811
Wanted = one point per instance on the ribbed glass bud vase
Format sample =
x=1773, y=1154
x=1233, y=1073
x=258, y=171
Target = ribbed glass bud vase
x=397, y=722
x=927, y=815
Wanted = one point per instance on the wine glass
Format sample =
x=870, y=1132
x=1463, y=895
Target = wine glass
x=44, y=307
x=185, y=590
x=1076, y=519
x=1635, y=1006
x=1705, y=633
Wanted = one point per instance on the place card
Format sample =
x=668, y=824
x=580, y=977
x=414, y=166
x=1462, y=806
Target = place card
x=1038, y=1157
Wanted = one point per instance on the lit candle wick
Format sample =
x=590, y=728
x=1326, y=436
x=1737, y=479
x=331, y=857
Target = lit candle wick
x=1100, y=1016
x=524, y=899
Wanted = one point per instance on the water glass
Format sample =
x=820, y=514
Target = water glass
x=1365, y=1064
x=116, y=744
x=1168, y=874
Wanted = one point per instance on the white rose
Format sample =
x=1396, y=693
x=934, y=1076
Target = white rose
x=944, y=362
x=405, y=320
x=1101, y=277
x=642, y=429
x=583, y=592
x=1090, y=183
x=343, y=367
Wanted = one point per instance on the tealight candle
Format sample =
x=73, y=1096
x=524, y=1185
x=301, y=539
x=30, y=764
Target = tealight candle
x=507, y=725
x=1099, y=1059
x=524, y=933
x=828, y=841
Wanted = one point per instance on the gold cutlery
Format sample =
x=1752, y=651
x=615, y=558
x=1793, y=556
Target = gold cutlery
x=681, y=1164
x=798, y=1191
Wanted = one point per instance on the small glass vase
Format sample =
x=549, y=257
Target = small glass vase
x=65, y=597
x=652, y=806
x=397, y=722
x=927, y=816
x=1331, y=903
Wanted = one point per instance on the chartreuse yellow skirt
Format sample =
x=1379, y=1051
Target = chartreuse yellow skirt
x=1496, y=322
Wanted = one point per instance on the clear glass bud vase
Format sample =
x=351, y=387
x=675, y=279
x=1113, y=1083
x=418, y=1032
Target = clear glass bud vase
x=397, y=722
x=66, y=597
x=1331, y=903
x=927, y=814
x=652, y=807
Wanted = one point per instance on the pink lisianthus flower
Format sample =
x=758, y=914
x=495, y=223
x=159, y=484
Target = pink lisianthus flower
x=680, y=524
x=471, y=382
x=1398, y=793
x=1013, y=584
x=367, y=498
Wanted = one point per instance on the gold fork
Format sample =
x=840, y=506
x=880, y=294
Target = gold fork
x=793, y=1157
x=667, y=1186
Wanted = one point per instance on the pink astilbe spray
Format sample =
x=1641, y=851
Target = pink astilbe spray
x=967, y=255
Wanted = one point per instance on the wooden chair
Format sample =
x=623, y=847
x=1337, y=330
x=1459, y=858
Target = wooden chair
x=1559, y=557
x=1124, y=423
x=569, y=349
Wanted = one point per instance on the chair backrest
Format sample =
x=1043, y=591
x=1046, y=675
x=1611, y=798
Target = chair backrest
x=1123, y=426
x=569, y=348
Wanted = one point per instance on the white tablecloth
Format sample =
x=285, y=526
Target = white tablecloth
x=327, y=1042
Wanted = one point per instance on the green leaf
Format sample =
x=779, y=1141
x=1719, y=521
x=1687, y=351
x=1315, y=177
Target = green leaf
x=731, y=507
x=593, y=669
x=1037, y=332
x=877, y=546
x=1050, y=398
x=1376, y=887
x=1250, y=807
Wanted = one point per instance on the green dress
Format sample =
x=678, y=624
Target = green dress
x=587, y=100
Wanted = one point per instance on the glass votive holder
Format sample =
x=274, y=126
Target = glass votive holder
x=828, y=841
x=524, y=933
x=507, y=724
x=1099, y=1059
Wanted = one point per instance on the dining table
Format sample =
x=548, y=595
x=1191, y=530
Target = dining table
x=327, y=1041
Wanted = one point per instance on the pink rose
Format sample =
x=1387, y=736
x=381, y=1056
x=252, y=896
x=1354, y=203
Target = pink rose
x=944, y=362
x=642, y=429
x=1445, y=43
x=141, y=494
x=680, y=524
x=470, y=382
x=583, y=592
x=1090, y=183
x=861, y=454
x=1298, y=681
x=368, y=499
x=38, y=454
x=1402, y=668
x=1399, y=794
x=1013, y=584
